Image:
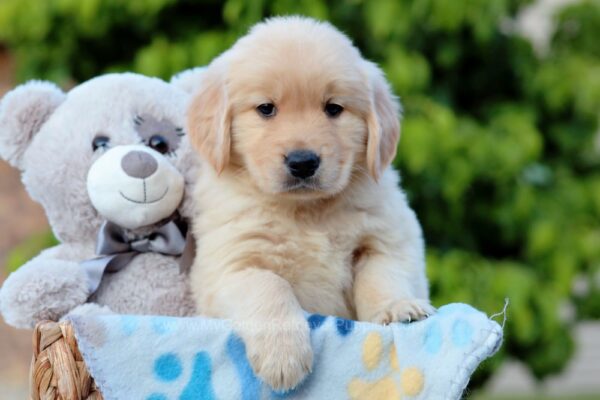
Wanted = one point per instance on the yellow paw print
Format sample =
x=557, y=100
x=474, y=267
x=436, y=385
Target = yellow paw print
x=394, y=384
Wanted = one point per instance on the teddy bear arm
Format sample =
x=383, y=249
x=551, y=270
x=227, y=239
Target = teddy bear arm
x=44, y=288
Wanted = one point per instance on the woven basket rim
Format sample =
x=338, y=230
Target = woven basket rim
x=58, y=370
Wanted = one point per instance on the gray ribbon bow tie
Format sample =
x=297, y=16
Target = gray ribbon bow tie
x=116, y=250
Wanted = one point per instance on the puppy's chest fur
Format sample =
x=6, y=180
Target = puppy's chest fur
x=316, y=250
x=318, y=254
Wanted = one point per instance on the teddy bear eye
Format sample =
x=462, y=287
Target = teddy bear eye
x=159, y=143
x=100, y=141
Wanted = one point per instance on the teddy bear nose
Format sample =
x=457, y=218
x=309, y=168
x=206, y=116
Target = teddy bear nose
x=139, y=164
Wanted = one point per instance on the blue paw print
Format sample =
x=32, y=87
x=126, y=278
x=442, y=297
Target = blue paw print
x=129, y=324
x=343, y=326
x=461, y=334
x=200, y=385
x=236, y=350
x=315, y=321
x=168, y=368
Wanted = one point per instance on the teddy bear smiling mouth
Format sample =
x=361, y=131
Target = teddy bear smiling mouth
x=144, y=201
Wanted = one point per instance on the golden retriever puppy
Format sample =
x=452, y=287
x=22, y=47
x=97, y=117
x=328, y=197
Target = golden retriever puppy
x=300, y=209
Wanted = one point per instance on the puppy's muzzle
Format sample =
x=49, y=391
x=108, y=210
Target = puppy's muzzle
x=302, y=164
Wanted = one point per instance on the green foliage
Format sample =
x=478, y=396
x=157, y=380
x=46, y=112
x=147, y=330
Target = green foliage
x=499, y=155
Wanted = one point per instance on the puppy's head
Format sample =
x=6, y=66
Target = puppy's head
x=295, y=105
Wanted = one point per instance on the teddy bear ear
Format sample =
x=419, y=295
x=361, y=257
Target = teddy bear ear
x=189, y=80
x=23, y=111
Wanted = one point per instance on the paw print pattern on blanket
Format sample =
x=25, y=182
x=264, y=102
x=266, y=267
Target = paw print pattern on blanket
x=395, y=383
x=168, y=368
x=343, y=326
x=164, y=358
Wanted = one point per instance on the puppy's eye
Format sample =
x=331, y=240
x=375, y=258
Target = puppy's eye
x=267, y=110
x=100, y=141
x=333, y=110
x=159, y=143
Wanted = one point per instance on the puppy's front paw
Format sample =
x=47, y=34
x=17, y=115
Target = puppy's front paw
x=404, y=310
x=281, y=358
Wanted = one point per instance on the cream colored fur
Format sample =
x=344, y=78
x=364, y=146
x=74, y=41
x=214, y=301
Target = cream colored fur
x=349, y=245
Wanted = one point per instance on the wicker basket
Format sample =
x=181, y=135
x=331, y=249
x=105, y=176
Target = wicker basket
x=57, y=368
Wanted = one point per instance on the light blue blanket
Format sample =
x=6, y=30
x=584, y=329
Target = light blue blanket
x=160, y=358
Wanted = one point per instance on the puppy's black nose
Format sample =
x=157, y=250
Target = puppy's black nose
x=302, y=163
x=139, y=164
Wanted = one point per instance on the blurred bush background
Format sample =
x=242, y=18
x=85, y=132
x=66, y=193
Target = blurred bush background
x=500, y=150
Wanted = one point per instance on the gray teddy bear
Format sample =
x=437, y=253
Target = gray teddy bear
x=110, y=163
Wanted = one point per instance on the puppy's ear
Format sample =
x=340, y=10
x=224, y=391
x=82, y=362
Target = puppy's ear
x=23, y=111
x=209, y=119
x=383, y=123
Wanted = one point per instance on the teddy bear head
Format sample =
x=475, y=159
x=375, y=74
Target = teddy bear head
x=113, y=148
